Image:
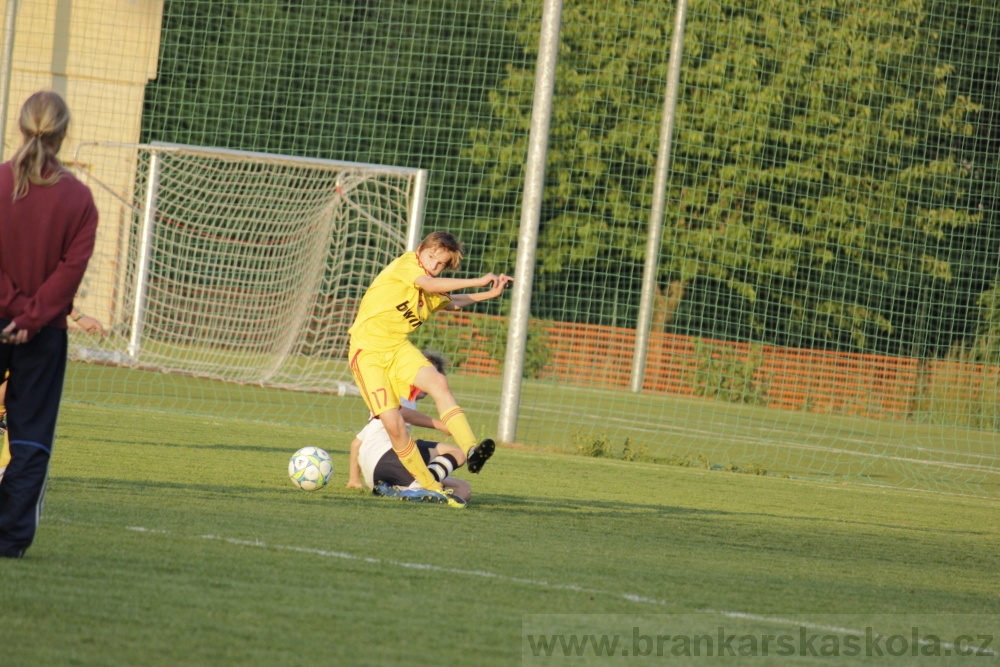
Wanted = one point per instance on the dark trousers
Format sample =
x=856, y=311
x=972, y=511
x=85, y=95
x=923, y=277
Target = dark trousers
x=391, y=470
x=34, y=389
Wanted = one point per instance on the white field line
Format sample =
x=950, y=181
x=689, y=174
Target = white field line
x=788, y=444
x=741, y=436
x=737, y=430
x=531, y=583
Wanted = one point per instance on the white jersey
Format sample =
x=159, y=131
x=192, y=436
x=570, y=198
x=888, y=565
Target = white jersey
x=375, y=443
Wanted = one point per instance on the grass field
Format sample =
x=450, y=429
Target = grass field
x=559, y=418
x=177, y=539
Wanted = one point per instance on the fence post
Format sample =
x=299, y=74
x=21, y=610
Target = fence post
x=415, y=226
x=659, y=195
x=534, y=186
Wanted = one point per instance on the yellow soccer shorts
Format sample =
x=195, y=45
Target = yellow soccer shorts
x=384, y=376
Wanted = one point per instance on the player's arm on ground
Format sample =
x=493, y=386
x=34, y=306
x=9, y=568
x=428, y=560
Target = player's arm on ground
x=353, y=467
x=415, y=418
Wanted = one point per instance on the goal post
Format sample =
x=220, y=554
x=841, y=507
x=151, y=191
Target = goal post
x=238, y=266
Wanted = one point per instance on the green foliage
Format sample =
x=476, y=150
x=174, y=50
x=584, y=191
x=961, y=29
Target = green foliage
x=384, y=83
x=686, y=461
x=817, y=160
x=457, y=340
x=596, y=196
x=962, y=392
x=537, y=353
x=987, y=343
x=752, y=468
x=721, y=374
x=965, y=388
x=599, y=446
x=833, y=163
x=595, y=446
x=632, y=452
x=450, y=339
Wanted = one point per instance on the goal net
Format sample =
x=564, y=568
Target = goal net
x=238, y=266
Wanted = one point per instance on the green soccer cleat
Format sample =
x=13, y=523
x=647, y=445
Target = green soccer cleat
x=480, y=454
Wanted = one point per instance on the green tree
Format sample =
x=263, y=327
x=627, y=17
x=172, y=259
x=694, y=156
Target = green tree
x=970, y=39
x=817, y=169
x=384, y=83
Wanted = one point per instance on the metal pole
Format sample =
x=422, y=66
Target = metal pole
x=534, y=184
x=9, y=22
x=145, y=251
x=417, y=203
x=659, y=195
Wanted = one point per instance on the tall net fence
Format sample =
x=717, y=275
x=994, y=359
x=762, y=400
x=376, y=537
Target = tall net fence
x=826, y=301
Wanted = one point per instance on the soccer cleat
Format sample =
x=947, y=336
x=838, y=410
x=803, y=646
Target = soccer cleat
x=419, y=495
x=452, y=500
x=480, y=454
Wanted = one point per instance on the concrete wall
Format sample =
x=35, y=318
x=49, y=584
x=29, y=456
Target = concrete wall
x=99, y=55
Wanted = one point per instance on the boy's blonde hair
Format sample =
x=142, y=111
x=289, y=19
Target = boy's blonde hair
x=447, y=241
x=43, y=123
x=438, y=360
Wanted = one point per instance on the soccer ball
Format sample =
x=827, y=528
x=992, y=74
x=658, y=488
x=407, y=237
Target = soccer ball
x=310, y=468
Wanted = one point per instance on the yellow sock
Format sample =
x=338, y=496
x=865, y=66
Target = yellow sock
x=412, y=461
x=456, y=422
x=5, y=452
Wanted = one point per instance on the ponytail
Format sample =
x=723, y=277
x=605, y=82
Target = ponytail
x=44, y=120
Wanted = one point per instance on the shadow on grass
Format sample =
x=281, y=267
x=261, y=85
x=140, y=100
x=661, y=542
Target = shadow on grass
x=264, y=492
x=528, y=505
x=129, y=444
x=536, y=508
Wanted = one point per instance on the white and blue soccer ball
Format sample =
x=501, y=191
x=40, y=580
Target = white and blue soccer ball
x=310, y=468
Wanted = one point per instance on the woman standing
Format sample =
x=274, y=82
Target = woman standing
x=47, y=227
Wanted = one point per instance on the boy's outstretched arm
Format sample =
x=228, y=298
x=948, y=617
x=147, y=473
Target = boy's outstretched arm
x=438, y=285
x=499, y=283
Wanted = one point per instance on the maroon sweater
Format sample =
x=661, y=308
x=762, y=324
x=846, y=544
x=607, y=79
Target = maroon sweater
x=46, y=239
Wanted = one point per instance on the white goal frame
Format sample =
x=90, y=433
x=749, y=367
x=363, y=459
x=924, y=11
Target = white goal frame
x=128, y=179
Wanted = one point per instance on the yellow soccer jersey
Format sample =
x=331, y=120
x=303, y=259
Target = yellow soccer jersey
x=394, y=306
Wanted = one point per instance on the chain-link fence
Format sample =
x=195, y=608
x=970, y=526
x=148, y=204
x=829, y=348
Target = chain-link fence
x=825, y=300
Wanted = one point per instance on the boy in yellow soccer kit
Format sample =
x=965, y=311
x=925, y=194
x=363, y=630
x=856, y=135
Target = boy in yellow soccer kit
x=373, y=459
x=384, y=363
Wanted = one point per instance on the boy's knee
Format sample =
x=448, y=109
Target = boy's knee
x=394, y=424
x=432, y=381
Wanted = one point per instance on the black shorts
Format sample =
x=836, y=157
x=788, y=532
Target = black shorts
x=390, y=469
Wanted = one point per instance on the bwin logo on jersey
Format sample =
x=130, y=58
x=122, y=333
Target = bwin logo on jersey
x=409, y=314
